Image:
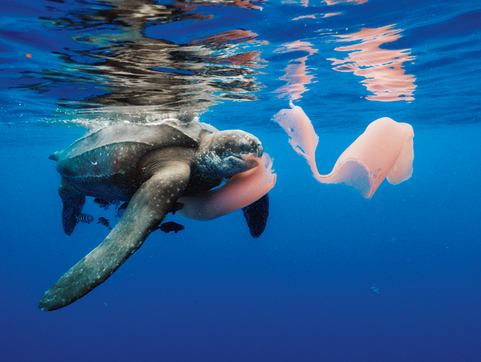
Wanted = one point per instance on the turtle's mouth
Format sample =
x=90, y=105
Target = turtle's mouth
x=231, y=155
x=238, y=163
x=249, y=160
x=246, y=158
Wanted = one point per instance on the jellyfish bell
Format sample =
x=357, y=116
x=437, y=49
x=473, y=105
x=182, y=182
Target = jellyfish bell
x=384, y=150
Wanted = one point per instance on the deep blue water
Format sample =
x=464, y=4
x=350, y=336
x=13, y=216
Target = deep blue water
x=306, y=289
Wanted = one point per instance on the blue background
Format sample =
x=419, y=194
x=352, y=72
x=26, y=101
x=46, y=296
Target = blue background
x=303, y=290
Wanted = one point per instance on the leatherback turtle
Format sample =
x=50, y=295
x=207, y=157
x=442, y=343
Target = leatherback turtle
x=150, y=166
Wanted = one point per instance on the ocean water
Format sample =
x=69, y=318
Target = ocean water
x=334, y=277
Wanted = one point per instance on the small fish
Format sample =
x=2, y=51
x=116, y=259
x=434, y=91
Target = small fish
x=102, y=203
x=85, y=218
x=105, y=203
x=375, y=290
x=169, y=226
x=104, y=222
x=121, y=209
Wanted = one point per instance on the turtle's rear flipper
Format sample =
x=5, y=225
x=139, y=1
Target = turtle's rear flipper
x=73, y=203
x=147, y=208
x=256, y=215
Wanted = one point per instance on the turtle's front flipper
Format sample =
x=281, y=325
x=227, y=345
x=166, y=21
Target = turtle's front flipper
x=256, y=215
x=147, y=208
x=73, y=202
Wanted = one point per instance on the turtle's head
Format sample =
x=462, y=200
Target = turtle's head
x=222, y=152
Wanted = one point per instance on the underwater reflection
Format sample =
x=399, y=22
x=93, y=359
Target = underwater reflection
x=297, y=76
x=305, y=3
x=382, y=69
x=336, y=2
x=126, y=57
